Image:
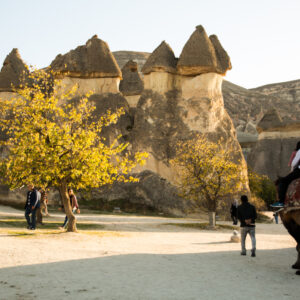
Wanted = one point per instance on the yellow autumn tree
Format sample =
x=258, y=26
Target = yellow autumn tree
x=52, y=142
x=206, y=173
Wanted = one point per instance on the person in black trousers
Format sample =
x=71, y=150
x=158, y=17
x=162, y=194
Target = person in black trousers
x=31, y=205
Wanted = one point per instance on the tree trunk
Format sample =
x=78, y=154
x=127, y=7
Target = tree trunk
x=212, y=219
x=63, y=190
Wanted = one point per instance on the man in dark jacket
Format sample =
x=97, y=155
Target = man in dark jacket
x=31, y=205
x=247, y=215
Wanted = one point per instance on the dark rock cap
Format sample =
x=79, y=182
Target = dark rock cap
x=223, y=60
x=92, y=60
x=131, y=84
x=202, y=54
x=161, y=59
x=13, y=72
x=198, y=55
x=270, y=120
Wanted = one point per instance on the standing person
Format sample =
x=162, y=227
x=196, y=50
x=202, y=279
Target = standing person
x=74, y=206
x=276, y=217
x=31, y=205
x=233, y=212
x=247, y=215
x=39, y=213
x=284, y=182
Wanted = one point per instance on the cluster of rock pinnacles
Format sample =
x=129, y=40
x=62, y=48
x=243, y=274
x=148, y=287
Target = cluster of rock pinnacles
x=171, y=100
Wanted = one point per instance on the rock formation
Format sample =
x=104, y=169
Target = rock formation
x=175, y=105
x=202, y=54
x=132, y=85
x=180, y=98
x=276, y=141
x=92, y=61
x=160, y=68
x=13, y=72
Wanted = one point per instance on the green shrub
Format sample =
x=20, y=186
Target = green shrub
x=262, y=187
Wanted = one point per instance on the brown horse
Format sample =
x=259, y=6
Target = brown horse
x=290, y=216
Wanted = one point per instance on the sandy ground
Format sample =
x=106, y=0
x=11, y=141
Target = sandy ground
x=141, y=258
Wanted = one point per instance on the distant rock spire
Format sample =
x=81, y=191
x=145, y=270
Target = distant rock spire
x=202, y=54
x=131, y=84
x=161, y=59
x=13, y=72
x=271, y=119
x=91, y=60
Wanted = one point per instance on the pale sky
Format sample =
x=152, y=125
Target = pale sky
x=260, y=36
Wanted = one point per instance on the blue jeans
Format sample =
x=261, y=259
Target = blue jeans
x=28, y=211
x=244, y=232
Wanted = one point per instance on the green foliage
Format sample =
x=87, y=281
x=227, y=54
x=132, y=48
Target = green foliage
x=52, y=142
x=262, y=187
x=206, y=171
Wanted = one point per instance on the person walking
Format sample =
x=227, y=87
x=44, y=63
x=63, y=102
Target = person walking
x=31, y=205
x=275, y=215
x=39, y=213
x=233, y=212
x=246, y=213
x=74, y=206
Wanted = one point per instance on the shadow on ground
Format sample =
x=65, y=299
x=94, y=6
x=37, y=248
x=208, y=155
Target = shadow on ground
x=216, y=275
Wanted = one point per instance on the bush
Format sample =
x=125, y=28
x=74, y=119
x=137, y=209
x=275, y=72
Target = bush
x=261, y=187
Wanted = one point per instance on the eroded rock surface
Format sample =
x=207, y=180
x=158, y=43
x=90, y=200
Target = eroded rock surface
x=13, y=72
x=276, y=141
x=92, y=60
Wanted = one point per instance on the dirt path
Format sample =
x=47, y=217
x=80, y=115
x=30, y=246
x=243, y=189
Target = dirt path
x=141, y=258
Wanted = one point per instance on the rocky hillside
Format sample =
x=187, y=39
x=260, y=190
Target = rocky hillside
x=123, y=57
x=246, y=105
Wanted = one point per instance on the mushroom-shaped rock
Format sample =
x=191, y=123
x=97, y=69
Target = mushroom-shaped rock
x=13, y=71
x=269, y=121
x=161, y=59
x=198, y=55
x=92, y=60
x=223, y=60
x=131, y=84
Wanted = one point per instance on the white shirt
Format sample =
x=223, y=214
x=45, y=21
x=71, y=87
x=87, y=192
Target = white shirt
x=296, y=160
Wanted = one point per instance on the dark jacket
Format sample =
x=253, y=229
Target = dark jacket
x=32, y=200
x=233, y=210
x=246, y=211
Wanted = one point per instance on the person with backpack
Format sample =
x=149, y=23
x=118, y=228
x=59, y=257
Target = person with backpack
x=31, y=206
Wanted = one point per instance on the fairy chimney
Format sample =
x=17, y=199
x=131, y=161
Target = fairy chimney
x=160, y=69
x=91, y=66
x=132, y=85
